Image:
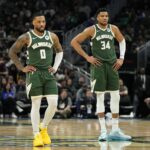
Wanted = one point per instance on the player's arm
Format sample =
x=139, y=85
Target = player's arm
x=59, y=53
x=122, y=46
x=81, y=37
x=16, y=48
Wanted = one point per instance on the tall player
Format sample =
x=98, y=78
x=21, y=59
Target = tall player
x=41, y=82
x=104, y=69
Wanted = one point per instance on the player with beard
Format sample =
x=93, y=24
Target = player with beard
x=104, y=69
x=39, y=70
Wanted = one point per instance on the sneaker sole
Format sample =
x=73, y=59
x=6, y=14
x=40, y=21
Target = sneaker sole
x=113, y=138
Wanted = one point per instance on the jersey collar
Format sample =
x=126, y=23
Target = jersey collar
x=38, y=35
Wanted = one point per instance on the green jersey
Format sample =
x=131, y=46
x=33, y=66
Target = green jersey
x=40, y=50
x=102, y=44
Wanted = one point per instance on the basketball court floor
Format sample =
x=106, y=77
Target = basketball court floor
x=73, y=134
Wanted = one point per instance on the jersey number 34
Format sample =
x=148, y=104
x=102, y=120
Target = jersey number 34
x=105, y=45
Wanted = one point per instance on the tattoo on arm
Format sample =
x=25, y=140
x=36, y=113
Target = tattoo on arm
x=16, y=48
x=57, y=45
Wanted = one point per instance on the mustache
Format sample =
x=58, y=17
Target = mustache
x=41, y=29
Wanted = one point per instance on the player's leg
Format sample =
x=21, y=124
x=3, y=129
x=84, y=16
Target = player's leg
x=34, y=89
x=35, y=120
x=51, y=94
x=100, y=109
x=113, y=87
x=98, y=84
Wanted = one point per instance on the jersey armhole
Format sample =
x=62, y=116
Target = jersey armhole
x=50, y=37
x=112, y=30
x=94, y=33
x=30, y=39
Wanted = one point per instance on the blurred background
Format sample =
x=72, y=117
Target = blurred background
x=67, y=18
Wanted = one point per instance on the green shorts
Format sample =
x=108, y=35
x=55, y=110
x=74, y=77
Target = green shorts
x=104, y=78
x=41, y=82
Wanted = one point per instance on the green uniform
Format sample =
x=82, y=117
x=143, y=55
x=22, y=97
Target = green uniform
x=102, y=45
x=40, y=55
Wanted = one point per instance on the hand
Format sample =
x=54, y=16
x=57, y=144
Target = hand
x=94, y=61
x=51, y=70
x=28, y=69
x=118, y=64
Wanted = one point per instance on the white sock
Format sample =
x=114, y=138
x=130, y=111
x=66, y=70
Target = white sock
x=50, y=111
x=115, y=123
x=102, y=124
x=35, y=114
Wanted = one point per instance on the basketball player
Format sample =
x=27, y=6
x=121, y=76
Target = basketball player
x=41, y=82
x=104, y=69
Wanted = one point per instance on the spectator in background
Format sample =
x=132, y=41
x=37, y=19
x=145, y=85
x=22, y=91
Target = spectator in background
x=141, y=92
x=124, y=97
x=71, y=88
x=21, y=86
x=3, y=83
x=147, y=102
x=90, y=104
x=12, y=83
x=8, y=101
x=81, y=82
x=80, y=96
x=85, y=103
x=64, y=105
x=12, y=70
x=3, y=68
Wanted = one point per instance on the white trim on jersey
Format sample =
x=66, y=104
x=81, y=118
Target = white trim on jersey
x=94, y=33
x=99, y=92
x=50, y=37
x=30, y=39
x=34, y=97
x=102, y=28
x=112, y=30
x=28, y=88
x=38, y=35
x=93, y=85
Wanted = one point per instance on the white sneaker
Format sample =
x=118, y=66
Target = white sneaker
x=14, y=116
x=103, y=136
x=118, y=135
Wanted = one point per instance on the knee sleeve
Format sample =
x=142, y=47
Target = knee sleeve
x=100, y=108
x=36, y=102
x=52, y=101
x=114, y=102
x=51, y=109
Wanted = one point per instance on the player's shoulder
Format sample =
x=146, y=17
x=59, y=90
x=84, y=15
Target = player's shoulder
x=53, y=36
x=114, y=27
x=90, y=28
x=24, y=37
x=89, y=31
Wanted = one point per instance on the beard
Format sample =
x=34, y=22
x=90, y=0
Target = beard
x=104, y=23
x=41, y=29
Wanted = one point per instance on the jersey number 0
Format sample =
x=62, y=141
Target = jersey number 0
x=42, y=54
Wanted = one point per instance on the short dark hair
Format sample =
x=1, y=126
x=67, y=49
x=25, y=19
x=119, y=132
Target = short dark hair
x=102, y=10
x=36, y=14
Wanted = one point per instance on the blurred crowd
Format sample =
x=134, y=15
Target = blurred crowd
x=75, y=96
x=134, y=22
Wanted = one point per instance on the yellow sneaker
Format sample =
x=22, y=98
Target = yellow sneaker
x=37, y=141
x=45, y=137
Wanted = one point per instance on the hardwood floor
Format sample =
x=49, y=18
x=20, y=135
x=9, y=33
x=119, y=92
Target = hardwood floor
x=73, y=134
